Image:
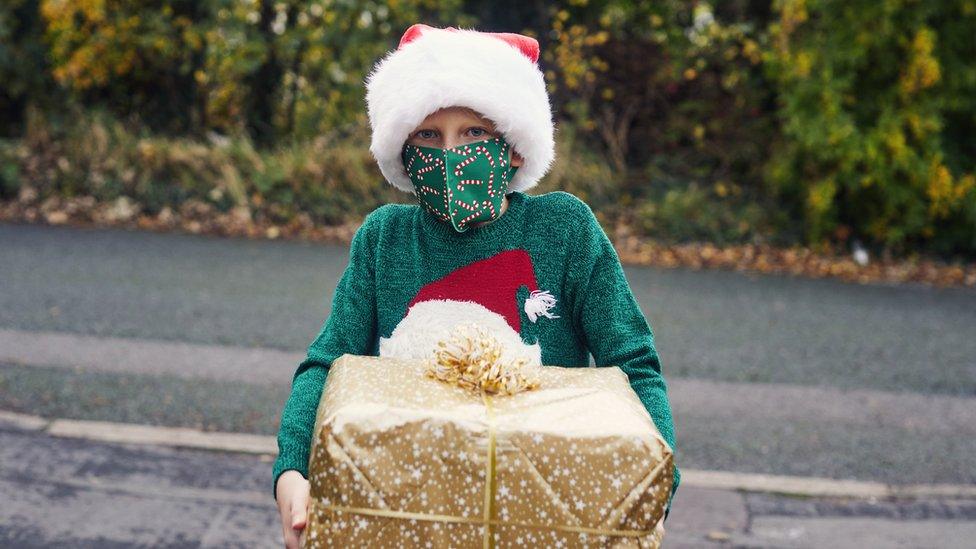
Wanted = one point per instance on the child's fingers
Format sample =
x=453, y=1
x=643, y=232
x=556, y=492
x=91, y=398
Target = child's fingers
x=289, y=534
x=299, y=511
x=291, y=539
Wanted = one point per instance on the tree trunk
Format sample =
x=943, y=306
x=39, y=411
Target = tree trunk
x=264, y=84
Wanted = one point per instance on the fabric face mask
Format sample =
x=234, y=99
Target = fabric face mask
x=461, y=185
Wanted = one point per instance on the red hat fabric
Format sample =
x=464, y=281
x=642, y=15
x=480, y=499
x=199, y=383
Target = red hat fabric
x=507, y=271
x=526, y=44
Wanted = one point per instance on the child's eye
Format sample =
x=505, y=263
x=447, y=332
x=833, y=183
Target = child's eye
x=426, y=134
x=478, y=132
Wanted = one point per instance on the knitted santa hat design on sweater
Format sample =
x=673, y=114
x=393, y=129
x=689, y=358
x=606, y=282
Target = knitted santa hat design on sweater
x=463, y=296
x=495, y=74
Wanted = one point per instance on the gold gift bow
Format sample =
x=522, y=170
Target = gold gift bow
x=487, y=521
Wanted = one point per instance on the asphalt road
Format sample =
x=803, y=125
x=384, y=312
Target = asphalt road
x=755, y=332
x=847, y=355
x=752, y=428
x=708, y=324
x=65, y=492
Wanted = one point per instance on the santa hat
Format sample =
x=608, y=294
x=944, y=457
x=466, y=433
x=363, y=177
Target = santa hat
x=495, y=74
x=463, y=296
x=507, y=271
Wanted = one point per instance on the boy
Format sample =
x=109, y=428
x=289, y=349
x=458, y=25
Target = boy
x=461, y=119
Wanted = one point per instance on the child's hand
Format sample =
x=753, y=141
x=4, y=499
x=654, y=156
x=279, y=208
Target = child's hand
x=293, y=498
x=660, y=528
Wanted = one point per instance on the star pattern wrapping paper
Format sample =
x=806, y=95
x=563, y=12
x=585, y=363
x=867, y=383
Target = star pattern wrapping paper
x=399, y=459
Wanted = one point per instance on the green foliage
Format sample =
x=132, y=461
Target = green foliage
x=131, y=56
x=715, y=214
x=332, y=181
x=876, y=103
x=673, y=94
x=9, y=171
x=23, y=72
x=288, y=69
x=581, y=171
x=742, y=120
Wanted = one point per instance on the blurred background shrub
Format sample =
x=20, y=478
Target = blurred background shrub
x=783, y=122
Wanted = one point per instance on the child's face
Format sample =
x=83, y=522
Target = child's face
x=453, y=126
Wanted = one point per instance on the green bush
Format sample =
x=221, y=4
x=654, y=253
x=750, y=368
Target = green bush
x=333, y=180
x=25, y=76
x=583, y=172
x=783, y=121
x=273, y=69
x=9, y=170
x=876, y=102
x=673, y=96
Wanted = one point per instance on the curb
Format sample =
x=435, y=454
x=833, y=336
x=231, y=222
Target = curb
x=267, y=446
x=821, y=486
x=132, y=433
x=179, y=437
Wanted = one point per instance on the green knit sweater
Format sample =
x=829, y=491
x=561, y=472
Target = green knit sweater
x=401, y=248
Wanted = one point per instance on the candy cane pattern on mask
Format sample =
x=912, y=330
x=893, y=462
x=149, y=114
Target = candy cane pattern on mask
x=432, y=210
x=472, y=156
x=464, y=182
x=491, y=207
x=427, y=190
x=480, y=149
x=432, y=163
x=491, y=177
x=467, y=219
x=427, y=158
x=461, y=165
x=431, y=167
x=476, y=210
x=471, y=190
x=483, y=150
x=459, y=169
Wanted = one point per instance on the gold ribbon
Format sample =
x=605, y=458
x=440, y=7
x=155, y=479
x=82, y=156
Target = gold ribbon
x=489, y=540
x=487, y=519
x=433, y=517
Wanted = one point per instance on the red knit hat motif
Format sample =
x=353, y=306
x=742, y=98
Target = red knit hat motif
x=507, y=271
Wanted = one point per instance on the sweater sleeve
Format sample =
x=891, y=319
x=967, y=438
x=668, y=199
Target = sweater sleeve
x=350, y=328
x=608, y=317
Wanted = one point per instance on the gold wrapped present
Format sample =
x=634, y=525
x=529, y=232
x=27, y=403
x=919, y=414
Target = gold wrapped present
x=400, y=459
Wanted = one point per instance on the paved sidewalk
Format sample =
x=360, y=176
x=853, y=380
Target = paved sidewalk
x=67, y=491
x=70, y=492
x=709, y=517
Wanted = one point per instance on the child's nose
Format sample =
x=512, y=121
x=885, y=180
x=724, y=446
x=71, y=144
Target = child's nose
x=454, y=138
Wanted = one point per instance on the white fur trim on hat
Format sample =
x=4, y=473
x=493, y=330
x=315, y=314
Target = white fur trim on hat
x=460, y=67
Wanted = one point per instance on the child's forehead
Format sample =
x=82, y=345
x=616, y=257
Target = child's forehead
x=447, y=114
